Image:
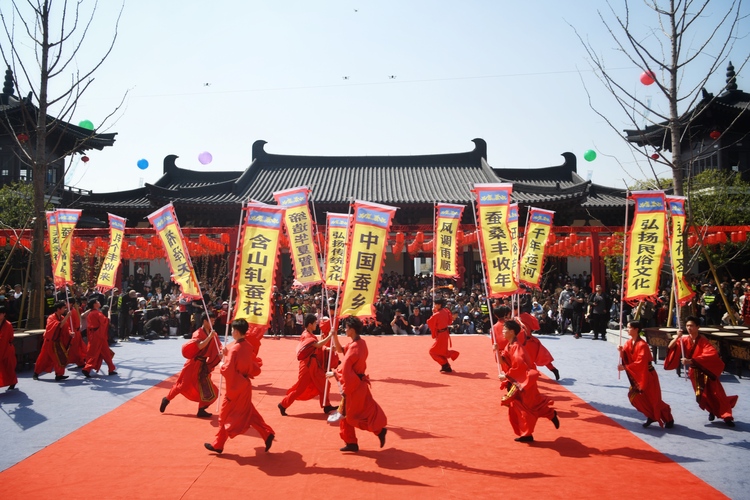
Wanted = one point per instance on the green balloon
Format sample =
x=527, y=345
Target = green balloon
x=589, y=155
x=86, y=124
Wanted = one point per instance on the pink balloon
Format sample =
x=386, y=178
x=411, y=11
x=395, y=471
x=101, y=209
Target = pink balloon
x=205, y=158
x=648, y=77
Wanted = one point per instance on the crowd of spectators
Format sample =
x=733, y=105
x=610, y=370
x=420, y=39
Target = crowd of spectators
x=150, y=306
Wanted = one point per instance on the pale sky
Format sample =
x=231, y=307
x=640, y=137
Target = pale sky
x=361, y=77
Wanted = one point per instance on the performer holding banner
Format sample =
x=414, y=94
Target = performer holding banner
x=645, y=390
x=53, y=355
x=438, y=323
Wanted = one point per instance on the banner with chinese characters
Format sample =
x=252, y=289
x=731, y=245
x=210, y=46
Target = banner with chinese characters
x=54, y=238
x=535, y=241
x=677, y=247
x=364, y=262
x=445, y=245
x=165, y=223
x=259, y=239
x=108, y=273
x=493, y=207
x=646, y=246
x=299, y=229
x=513, y=230
x=337, y=229
x=66, y=224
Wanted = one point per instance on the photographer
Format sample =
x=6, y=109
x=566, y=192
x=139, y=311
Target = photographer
x=399, y=325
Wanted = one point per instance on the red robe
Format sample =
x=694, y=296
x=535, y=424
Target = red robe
x=53, y=354
x=535, y=350
x=704, y=374
x=525, y=404
x=645, y=390
x=360, y=408
x=439, y=323
x=7, y=355
x=77, y=348
x=311, y=379
x=237, y=413
x=97, y=331
x=194, y=381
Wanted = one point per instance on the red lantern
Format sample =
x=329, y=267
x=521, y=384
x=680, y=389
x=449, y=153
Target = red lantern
x=22, y=137
x=721, y=237
x=655, y=156
x=85, y=159
x=692, y=240
x=715, y=134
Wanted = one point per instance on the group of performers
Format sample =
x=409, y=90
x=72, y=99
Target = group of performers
x=63, y=341
x=517, y=351
x=240, y=364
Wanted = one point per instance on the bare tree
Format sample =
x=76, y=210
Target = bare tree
x=44, y=41
x=684, y=35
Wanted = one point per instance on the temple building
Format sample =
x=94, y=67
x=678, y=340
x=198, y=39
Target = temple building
x=412, y=183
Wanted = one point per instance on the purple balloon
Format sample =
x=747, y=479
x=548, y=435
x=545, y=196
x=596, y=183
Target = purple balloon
x=205, y=158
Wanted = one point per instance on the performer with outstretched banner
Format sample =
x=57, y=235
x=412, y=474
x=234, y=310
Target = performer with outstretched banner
x=54, y=355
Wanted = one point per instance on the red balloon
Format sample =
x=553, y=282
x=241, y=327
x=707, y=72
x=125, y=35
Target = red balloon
x=648, y=77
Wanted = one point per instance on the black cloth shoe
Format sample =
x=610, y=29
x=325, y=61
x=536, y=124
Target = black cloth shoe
x=269, y=441
x=11, y=387
x=283, y=410
x=60, y=378
x=381, y=436
x=446, y=368
x=202, y=413
x=164, y=403
x=648, y=422
x=112, y=373
x=35, y=376
x=211, y=448
x=556, y=421
x=711, y=417
x=604, y=337
x=669, y=424
x=86, y=373
x=326, y=409
x=350, y=447
x=729, y=421
x=525, y=439
x=557, y=373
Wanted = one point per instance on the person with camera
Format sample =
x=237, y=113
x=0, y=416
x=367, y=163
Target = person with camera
x=400, y=325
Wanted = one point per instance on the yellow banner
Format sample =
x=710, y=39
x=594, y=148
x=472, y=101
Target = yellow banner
x=493, y=207
x=677, y=247
x=646, y=246
x=299, y=229
x=337, y=229
x=66, y=224
x=535, y=243
x=513, y=230
x=257, y=263
x=445, y=245
x=168, y=229
x=54, y=238
x=108, y=273
x=367, y=244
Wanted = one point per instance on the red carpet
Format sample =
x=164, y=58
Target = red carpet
x=448, y=437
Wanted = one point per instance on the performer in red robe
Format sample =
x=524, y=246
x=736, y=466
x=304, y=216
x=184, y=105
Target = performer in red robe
x=525, y=404
x=77, y=348
x=704, y=369
x=311, y=379
x=358, y=407
x=54, y=355
x=7, y=352
x=194, y=381
x=534, y=348
x=237, y=412
x=645, y=390
x=98, y=333
x=439, y=322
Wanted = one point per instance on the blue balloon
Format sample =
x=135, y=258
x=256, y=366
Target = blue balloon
x=143, y=164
